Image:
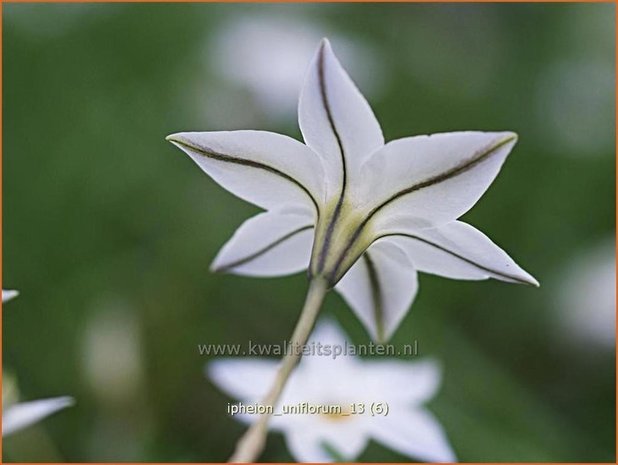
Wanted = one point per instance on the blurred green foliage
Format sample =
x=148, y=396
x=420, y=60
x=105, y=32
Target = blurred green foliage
x=106, y=222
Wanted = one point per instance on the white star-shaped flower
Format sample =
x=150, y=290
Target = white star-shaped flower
x=353, y=385
x=359, y=213
x=17, y=416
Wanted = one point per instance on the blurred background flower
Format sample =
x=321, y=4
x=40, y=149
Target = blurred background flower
x=361, y=400
x=113, y=368
x=109, y=230
x=269, y=58
x=357, y=401
x=585, y=310
x=16, y=415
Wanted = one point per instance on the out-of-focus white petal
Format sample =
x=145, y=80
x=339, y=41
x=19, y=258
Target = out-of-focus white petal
x=330, y=357
x=310, y=439
x=585, y=299
x=20, y=416
x=8, y=295
x=248, y=379
x=276, y=50
x=306, y=446
x=269, y=244
x=434, y=178
x=336, y=120
x=421, y=380
x=414, y=433
x=348, y=439
x=459, y=251
x=111, y=353
x=263, y=168
x=380, y=288
x=326, y=331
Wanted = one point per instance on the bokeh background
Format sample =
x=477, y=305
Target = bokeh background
x=109, y=230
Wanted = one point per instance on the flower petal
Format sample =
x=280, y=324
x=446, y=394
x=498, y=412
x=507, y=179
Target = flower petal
x=385, y=378
x=348, y=439
x=8, y=295
x=416, y=434
x=247, y=380
x=263, y=168
x=327, y=331
x=311, y=439
x=305, y=445
x=380, y=288
x=336, y=120
x=459, y=251
x=436, y=178
x=20, y=416
x=269, y=244
x=330, y=360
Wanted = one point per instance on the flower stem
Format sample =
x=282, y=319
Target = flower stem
x=251, y=444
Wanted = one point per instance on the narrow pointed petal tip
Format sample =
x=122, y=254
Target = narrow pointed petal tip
x=525, y=278
x=178, y=140
x=177, y=137
x=504, y=138
x=509, y=139
x=182, y=139
x=214, y=268
x=510, y=135
x=531, y=280
x=521, y=276
x=19, y=416
x=9, y=295
x=65, y=401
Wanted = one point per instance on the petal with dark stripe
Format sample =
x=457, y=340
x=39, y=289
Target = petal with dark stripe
x=380, y=288
x=264, y=168
x=434, y=178
x=269, y=244
x=336, y=120
x=459, y=251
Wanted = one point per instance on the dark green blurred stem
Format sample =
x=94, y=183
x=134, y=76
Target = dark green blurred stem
x=251, y=444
